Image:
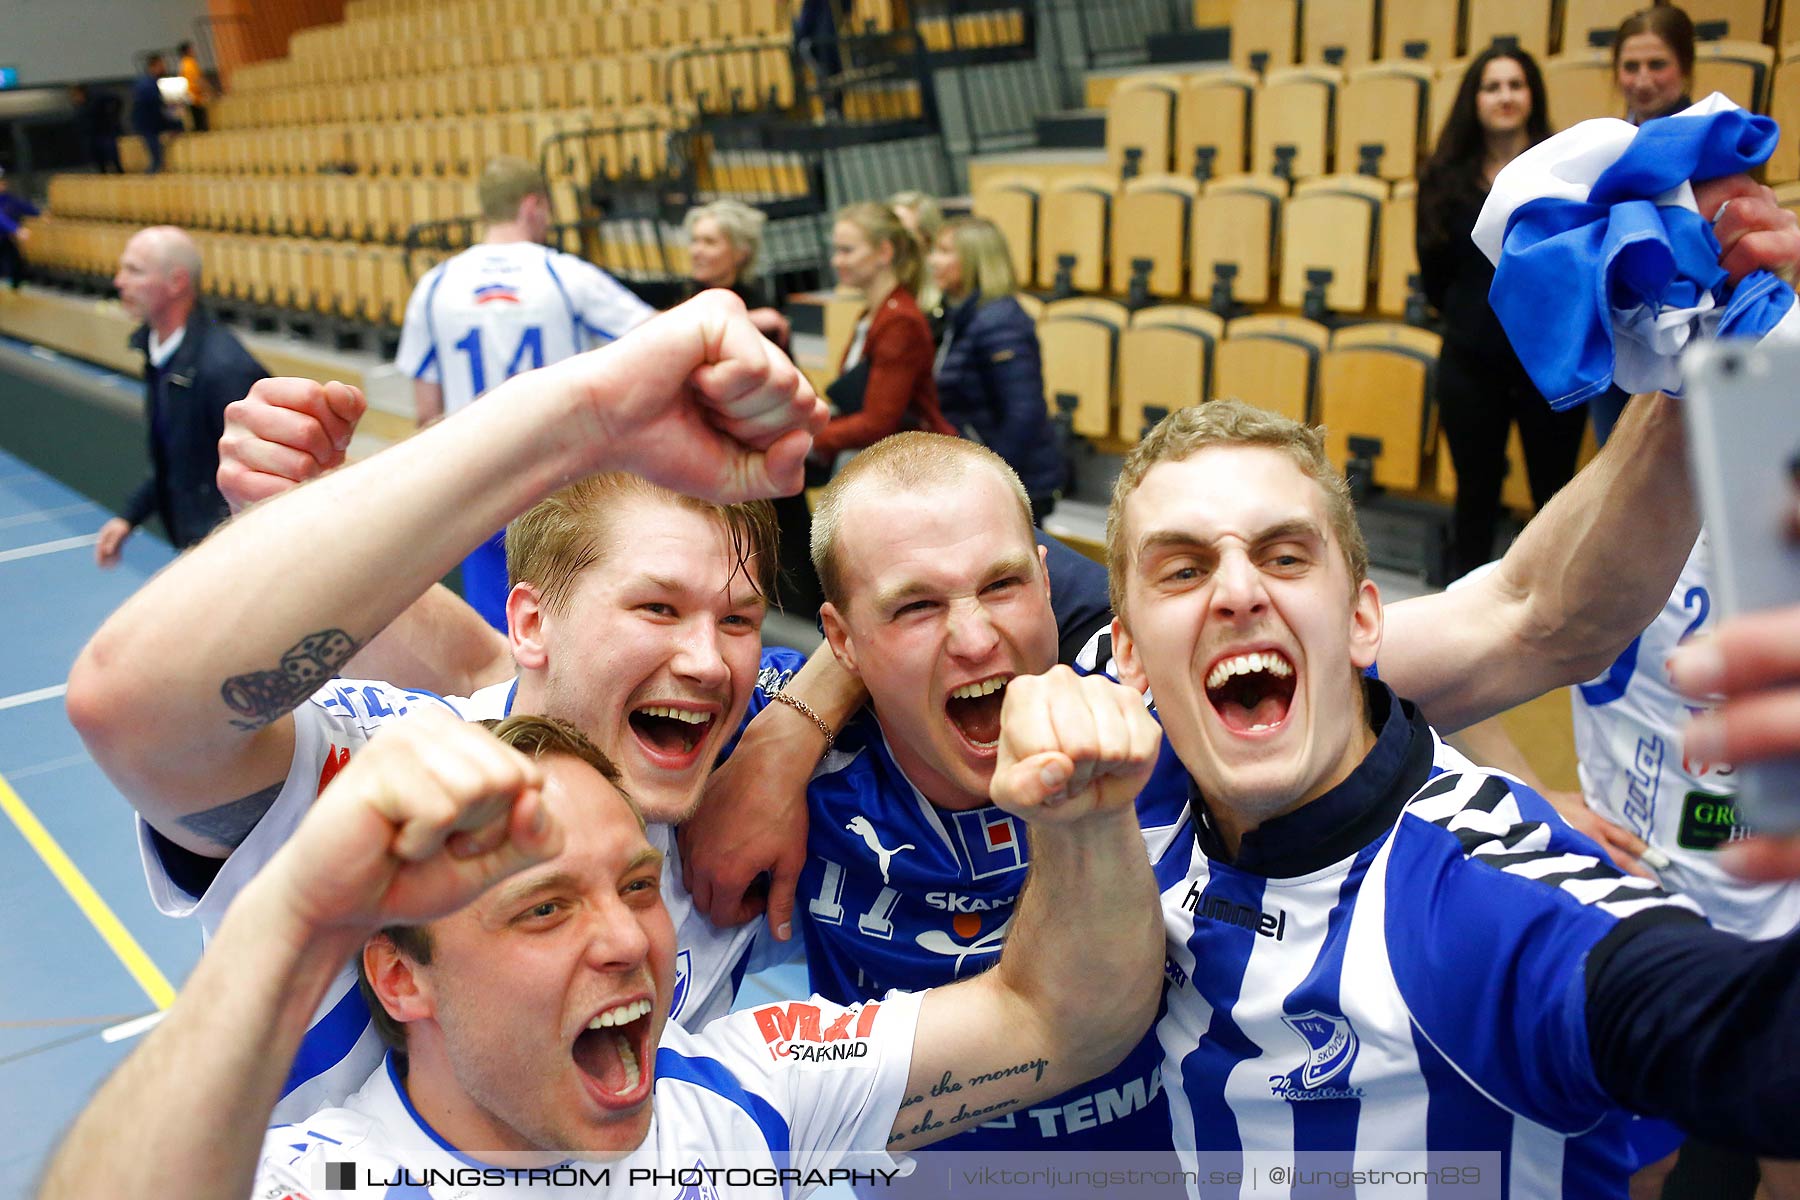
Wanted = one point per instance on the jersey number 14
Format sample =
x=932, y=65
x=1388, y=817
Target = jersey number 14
x=531, y=344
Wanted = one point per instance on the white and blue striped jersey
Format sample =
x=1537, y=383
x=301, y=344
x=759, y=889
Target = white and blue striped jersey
x=341, y=1045
x=498, y=310
x=727, y=1101
x=898, y=893
x=1636, y=774
x=1422, y=991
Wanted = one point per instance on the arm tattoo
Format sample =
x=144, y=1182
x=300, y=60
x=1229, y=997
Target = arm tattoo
x=261, y=697
x=229, y=824
x=952, y=1110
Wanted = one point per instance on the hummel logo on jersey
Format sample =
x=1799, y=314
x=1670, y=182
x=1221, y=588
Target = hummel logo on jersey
x=1331, y=1046
x=792, y=1032
x=859, y=825
x=1217, y=908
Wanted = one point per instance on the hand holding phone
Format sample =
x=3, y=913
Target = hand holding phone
x=1743, y=414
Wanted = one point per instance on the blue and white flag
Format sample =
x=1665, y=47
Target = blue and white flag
x=1604, y=268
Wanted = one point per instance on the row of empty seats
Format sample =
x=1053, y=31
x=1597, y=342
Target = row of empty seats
x=748, y=76
x=331, y=279
x=320, y=206
x=1380, y=119
x=1267, y=34
x=457, y=147
x=1116, y=373
x=473, y=33
x=1179, y=235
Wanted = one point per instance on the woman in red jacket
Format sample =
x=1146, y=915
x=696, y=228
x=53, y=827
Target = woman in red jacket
x=885, y=382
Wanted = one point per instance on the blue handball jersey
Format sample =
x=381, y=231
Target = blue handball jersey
x=1424, y=992
x=897, y=893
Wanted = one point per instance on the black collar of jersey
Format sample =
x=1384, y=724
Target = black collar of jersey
x=1350, y=815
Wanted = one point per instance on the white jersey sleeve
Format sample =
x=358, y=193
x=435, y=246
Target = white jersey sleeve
x=417, y=355
x=837, y=1073
x=341, y=1044
x=607, y=308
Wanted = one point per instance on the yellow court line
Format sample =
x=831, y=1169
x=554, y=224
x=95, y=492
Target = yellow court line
x=110, y=928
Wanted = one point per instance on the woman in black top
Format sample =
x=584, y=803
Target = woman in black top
x=1482, y=389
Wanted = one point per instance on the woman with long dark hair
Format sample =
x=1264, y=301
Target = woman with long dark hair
x=1500, y=112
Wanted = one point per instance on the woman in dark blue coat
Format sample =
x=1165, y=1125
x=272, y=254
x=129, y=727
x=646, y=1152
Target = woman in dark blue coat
x=990, y=376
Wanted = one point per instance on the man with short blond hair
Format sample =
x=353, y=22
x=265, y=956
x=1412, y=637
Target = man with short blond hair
x=905, y=461
x=193, y=368
x=506, y=184
x=507, y=305
x=1429, y=961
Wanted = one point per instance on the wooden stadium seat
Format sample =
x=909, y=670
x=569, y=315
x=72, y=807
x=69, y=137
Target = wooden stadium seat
x=1423, y=32
x=1739, y=69
x=1579, y=86
x=1443, y=97
x=1373, y=383
x=1140, y=125
x=1397, y=249
x=1330, y=225
x=1339, y=33
x=1074, y=221
x=1584, y=21
x=1265, y=34
x=1150, y=225
x=1291, y=131
x=1080, y=339
x=1236, y=222
x=1271, y=362
x=1383, y=107
x=1525, y=21
x=1165, y=362
x=1744, y=20
x=1784, y=106
x=1212, y=122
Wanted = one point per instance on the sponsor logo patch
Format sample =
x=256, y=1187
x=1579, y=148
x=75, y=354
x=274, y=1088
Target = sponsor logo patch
x=1709, y=821
x=798, y=1033
x=1331, y=1046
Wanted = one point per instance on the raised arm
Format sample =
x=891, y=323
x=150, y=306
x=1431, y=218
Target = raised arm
x=753, y=819
x=1584, y=578
x=1079, y=980
x=186, y=1113
x=184, y=696
x=276, y=440
x=1589, y=573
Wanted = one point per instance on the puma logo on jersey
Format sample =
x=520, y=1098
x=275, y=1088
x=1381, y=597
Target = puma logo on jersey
x=859, y=825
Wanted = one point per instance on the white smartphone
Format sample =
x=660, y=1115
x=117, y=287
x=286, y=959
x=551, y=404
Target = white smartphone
x=1743, y=417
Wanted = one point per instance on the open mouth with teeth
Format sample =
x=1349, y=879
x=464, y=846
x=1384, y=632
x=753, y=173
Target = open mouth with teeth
x=611, y=1052
x=1252, y=692
x=974, y=711
x=670, y=734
